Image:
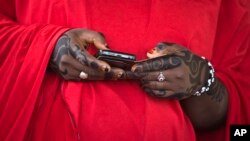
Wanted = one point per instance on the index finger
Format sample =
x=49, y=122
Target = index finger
x=156, y=64
x=84, y=57
x=96, y=38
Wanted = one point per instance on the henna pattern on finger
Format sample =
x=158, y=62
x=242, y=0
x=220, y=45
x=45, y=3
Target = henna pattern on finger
x=133, y=75
x=159, y=63
x=165, y=48
x=82, y=56
x=160, y=93
x=79, y=54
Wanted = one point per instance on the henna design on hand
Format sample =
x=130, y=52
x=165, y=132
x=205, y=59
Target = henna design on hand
x=70, y=57
x=155, y=64
x=198, y=71
x=165, y=48
x=172, y=57
x=194, y=74
x=62, y=48
x=199, y=75
x=64, y=54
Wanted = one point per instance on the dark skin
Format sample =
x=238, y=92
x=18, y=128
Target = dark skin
x=70, y=56
x=184, y=71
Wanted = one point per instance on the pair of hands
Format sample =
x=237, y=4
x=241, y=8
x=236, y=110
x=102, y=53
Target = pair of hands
x=184, y=71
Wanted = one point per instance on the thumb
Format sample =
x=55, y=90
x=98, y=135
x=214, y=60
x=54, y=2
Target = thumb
x=97, y=39
x=100, y=44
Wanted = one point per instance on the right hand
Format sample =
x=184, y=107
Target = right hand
x=172, y=71
x=71, y=57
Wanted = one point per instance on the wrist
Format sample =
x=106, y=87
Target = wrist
x=210, y=80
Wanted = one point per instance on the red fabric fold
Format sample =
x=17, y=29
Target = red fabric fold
x=22, y=72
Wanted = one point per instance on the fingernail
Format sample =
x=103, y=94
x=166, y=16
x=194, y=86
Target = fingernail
x=134, y=69
x=106, y=69
x=137, y=69
x=123, y=75
x=119, y=75
x=151, y=51
x=107, y=46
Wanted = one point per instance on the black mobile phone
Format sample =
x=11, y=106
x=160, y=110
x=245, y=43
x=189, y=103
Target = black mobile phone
x=117, y=59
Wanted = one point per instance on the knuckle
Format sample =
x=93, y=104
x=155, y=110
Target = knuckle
x=180, y=88
x=100, y=34
x=97, y=35
x=65, y=77
x=175, y=61
x=179, y=75
x=62, y=66
x=64, y=60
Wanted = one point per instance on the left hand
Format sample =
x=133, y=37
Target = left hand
x=182, y=72
x=72, y=60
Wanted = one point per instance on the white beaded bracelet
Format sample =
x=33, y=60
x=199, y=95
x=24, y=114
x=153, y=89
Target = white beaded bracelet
x=209, y=82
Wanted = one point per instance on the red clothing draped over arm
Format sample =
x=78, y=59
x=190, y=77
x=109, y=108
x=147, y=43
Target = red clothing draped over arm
x=24, y=54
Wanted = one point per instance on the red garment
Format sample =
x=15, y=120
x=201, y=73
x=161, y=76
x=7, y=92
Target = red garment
x=36, y=104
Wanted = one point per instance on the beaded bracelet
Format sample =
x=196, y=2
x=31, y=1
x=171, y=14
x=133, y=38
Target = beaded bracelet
x=209, y=82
